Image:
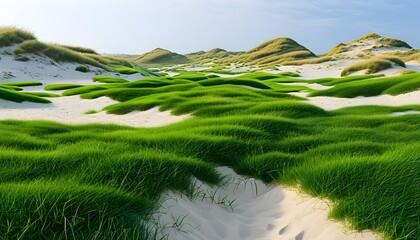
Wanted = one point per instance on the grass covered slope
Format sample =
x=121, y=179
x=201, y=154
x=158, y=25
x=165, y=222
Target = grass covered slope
x=373, y=65
x=210, y=55
x=373, y=87
x=12, y=92
x=99, y=179
x=160, y=57
x=12, y=35
x=272, y=52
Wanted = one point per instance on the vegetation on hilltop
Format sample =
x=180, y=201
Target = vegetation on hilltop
x=272, y=52
x=214, y=54
x=373, y=65
x=160, y=57
x=371, y=40
x=80, y=49
x=12, y=35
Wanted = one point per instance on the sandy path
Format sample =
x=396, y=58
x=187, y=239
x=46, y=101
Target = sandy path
x=249, y=209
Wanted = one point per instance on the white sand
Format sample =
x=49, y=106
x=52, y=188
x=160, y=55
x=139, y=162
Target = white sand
x=72, y=110
x=314, y=86
x=249, y=209
x=404, y=113
x=332, y=103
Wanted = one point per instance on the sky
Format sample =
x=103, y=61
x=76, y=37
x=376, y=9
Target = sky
x=138, y=26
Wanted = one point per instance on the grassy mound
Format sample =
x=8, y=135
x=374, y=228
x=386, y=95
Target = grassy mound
x=12, y=35
x=80, y=49
x=273, y=52
x=373, y=87
x=107, y=79
x=56, y=52
x=61, y=86
x=308, y=61
x=210, y=55
x=98, y=179
x=15, y=96
x=160, y=57
x=371, y=66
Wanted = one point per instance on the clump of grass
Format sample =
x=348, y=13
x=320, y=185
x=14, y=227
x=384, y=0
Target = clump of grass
x=19, y=97
x=91, y=112
x=107, y=79
x=125, y=70
x=22, y=58
x=371, y=66
x=160, y=57
x=308, y=61
x=23, y=84
x=12, y=35
x=394, y=43
x=82, y=68
x=395, y=60
x=44, y=94
x=61, y=86
x=373, y=87
x=80, y=49
x=57, y=53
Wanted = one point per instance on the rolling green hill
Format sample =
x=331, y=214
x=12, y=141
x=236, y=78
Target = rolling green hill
x=213, y=54
x=160, y=57
x=272, y=52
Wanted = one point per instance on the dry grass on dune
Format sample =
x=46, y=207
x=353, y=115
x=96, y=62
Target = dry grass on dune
x=373, y=65
x=13, y=35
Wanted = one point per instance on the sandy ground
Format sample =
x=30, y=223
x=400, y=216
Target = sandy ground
x=249, y=209
x=72, y=110
x=332, y=103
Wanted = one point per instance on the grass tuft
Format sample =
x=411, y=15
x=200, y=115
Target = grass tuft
x=12, y=35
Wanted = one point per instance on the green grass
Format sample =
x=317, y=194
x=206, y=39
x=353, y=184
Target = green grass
x=23, y=84
x=125, y=70
x=74, y=181
x=308, y=61
x=43, y=94
x=373, y=87
x=15, y=96
x=12, y=35
x=62, y=86
x=107, y=79
x=159, y=58
x=82, y=68
x=371, y=66
x=91, y=112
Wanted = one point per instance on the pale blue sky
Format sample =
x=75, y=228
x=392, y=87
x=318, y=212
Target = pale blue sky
x=137, y=26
